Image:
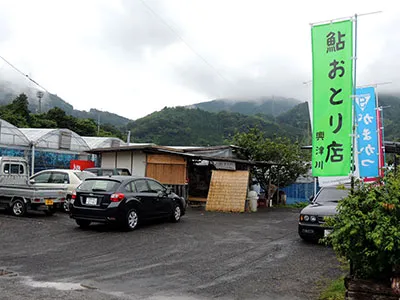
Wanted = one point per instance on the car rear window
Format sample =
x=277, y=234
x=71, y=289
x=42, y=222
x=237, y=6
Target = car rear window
x=98, y=185
x=332, y=195
x=83, y=175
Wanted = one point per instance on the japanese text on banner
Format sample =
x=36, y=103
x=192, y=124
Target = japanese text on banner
x=332, y=48
x=367, y=133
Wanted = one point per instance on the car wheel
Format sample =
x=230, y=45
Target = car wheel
x=83, y=223
x=176, y=214
x=132, y=220
x=18, y=208
x=65, y=206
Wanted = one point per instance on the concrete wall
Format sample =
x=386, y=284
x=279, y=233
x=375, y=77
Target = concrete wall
x=124, y=160
x=108, y=160
x=135, y=161
x=139, y=164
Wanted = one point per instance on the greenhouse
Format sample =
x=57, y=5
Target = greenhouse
x=95, y=142
x=13, y=142
x=54, y=148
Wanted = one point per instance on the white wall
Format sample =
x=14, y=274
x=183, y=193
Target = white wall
x=108, y=160
x=135, y=161
x=124, y=160
x=139, y=164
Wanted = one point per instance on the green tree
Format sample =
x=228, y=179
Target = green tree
x=84, y=127
x=59, y=116
x=17, y=112
x=41, y=121
x=283, y=160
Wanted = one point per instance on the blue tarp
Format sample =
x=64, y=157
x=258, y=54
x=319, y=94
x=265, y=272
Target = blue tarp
x=299, y=192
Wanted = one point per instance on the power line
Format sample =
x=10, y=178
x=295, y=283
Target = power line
x=183, y=41
x=23, y=74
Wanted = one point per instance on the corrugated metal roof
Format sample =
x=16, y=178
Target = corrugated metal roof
x=102, y=142
x=133, y=146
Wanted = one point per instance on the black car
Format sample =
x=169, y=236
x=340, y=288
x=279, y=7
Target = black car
x=311, y=218
x=125, y=200
x=108, y=171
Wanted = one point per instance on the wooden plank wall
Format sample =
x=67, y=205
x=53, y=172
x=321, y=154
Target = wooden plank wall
x=228, y=191
x=168, y=169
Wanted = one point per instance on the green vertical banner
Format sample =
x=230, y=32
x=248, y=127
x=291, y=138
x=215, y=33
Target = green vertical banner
x=332, y=58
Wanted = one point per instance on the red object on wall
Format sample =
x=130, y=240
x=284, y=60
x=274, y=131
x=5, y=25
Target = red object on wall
x=81, y=164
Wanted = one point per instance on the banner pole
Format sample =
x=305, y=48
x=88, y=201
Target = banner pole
x=383, y=142
x=353, y=100
x=379, y=133
x=344, y=18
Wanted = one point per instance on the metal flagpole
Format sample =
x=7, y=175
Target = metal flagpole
x=353, y=106
x=33, y=160
x=383, y=135
x=344, y=18
x=379, y=128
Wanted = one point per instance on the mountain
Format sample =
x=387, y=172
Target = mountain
x=391, y=116
x=297, y=117
x=268, y=106
x=185, y=126
x=9, y=90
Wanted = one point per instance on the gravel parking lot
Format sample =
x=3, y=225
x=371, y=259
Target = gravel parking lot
x=205, y=256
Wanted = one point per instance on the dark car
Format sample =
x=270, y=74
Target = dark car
x=124, y=200
x=311, y=218
x=108, y=171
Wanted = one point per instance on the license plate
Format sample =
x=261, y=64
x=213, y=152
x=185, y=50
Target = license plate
x=48, y=202
x=91, y=201
x=308, y=230
x=327, y=232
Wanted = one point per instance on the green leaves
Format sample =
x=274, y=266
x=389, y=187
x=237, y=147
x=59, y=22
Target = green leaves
x=367, y=228
x=289, y=160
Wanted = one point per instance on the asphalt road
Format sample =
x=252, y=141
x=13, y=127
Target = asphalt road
x=205, y=256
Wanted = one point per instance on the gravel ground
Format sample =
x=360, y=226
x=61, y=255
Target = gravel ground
x=205, y=256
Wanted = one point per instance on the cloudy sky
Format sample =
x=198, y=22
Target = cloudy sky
x=133, y=57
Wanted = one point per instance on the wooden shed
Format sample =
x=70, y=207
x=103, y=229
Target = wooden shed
x=198, y=176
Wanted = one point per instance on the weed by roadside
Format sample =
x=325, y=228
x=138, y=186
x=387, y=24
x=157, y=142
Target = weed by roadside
x=335, y=291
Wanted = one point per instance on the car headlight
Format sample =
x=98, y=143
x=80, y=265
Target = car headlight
x=313, y=219
x=306, y=218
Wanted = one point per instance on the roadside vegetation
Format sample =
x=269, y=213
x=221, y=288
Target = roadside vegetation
x=335, y=291
x=366, y=231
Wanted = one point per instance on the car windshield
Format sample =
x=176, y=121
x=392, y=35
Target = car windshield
x=83, y=175
x=331, y=195
x=98, y=185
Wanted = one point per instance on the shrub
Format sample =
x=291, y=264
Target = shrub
x=366, y=230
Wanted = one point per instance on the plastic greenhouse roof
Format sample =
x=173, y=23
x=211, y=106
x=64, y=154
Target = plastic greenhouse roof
x=52, y=139
x=12, y=135
x=102, y=142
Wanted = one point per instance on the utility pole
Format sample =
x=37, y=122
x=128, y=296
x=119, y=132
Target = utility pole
x=98, y=123
x=40, y=95
x=128, y=138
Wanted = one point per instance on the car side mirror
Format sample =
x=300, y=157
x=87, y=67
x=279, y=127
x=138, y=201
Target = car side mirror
x=32, y=181
x=311, y=199
x=168, y=191
x=160, y=194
